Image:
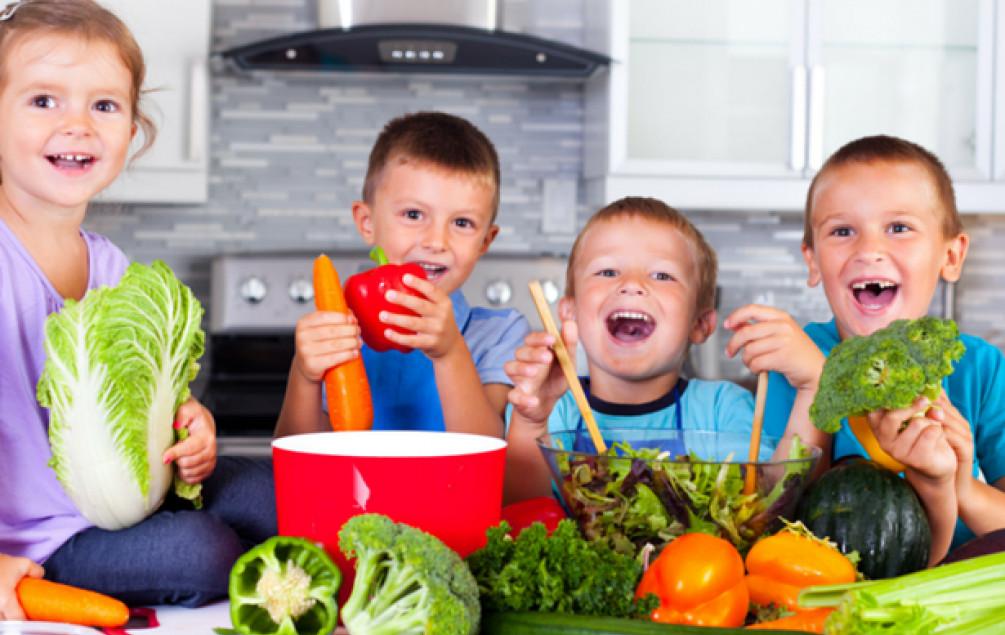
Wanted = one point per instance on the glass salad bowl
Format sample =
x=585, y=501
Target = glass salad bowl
x=656, y=484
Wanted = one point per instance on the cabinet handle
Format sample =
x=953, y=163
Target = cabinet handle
x=198, y=118
x=818, y=80
x=797, y=133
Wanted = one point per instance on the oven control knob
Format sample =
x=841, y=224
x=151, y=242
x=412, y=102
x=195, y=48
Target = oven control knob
x=550, y=291
x=498, y=292
x=301, y=291
x=253, y=290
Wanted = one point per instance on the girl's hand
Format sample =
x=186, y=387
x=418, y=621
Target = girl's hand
x=961, y=440
x=921, y=444
x=771, y=340
x=12, y=569
x=325, y=339
x=196, y=455
x=538, y=381
x=435, y=330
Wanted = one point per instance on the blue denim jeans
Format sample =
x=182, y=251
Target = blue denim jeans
x=178, y=555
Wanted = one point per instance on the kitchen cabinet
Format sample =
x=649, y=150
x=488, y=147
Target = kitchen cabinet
x=727, y=104
x=175, y=40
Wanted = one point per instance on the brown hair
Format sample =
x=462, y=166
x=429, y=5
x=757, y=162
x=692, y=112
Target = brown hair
x=89, y=21
x=659, y=212
x=891, y=149
x=444, y=140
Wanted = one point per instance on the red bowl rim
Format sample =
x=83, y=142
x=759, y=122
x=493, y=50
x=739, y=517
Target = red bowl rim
x=389, y=444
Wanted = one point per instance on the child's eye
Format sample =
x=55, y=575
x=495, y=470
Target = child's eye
x=106, y=105
x=662, y=275
x=464, y=222
x=841, y=232
x=43, y=101
x=413, y=214
x=899, y=228
x=607, y=273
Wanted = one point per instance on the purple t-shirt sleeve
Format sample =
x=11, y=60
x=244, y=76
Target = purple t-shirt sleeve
x=36, y=517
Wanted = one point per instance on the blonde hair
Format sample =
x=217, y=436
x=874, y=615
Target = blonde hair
x=880, y=148
x=91, y=22
x=657, y=211
x=440, y=139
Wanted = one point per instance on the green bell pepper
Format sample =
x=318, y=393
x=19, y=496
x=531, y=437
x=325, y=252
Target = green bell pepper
x=284, y=586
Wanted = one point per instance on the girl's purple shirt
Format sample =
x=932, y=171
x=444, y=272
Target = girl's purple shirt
x=36, y=516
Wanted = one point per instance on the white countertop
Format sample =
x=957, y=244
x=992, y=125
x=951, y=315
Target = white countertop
x=177, y=620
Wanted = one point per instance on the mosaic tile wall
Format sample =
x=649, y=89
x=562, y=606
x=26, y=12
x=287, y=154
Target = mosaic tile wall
x=289, y=151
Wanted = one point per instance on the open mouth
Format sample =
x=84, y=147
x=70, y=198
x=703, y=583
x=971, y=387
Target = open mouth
x=630, y=326
x=874, y=294
x=433, y=270
x=71, y=161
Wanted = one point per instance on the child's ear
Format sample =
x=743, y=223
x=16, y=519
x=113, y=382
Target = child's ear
x=813, y=277
x=704, y=326
x=567, y=309
x=956, y=253
x=362, y=215
x=489, y=237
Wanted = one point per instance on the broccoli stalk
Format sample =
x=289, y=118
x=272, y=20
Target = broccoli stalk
x=887, y=370
x=406, y=582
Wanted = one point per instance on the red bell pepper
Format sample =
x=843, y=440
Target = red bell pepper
x=542, y=509
x=364, y=293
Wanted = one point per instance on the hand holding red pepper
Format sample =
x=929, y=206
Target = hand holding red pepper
x=699, y=581
x=366, y=294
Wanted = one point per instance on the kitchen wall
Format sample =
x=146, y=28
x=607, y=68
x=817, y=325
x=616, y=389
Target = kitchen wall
x=289, y=152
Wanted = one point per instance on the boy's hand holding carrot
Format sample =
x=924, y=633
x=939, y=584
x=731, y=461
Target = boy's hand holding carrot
x=538, y=381
x=771, y=340
x=11, y=571
x=435, y=331
x=324, y=339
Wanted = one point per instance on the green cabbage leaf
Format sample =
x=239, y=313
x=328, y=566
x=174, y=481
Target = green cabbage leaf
x=118, y=365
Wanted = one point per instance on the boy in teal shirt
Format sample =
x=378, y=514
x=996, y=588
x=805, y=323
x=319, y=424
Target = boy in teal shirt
x=881, y=229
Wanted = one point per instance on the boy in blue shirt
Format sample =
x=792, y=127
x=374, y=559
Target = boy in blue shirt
x=881, y=228
x=640, y=289
x=430, y=196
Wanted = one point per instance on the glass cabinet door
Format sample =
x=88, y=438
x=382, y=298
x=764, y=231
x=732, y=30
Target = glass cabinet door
x=715, y=87
x=918, y=69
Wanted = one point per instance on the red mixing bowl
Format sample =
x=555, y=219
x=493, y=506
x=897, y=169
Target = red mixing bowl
x=448, y=484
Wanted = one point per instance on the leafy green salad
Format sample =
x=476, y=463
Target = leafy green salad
x=629, y=496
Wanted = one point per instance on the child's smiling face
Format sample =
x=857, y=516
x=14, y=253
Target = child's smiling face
x=430, y=215
x=635, y=305
x=67, y=120
x=878, y=243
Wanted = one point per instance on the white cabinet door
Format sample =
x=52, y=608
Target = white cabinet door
x=175, y=39
x=707, y=88
x=917, y=69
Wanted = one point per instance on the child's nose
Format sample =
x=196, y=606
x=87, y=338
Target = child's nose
x=435, y=237
x=631, y=286
x=76, y=124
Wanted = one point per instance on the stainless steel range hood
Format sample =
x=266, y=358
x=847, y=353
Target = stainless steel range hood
x=404, y=36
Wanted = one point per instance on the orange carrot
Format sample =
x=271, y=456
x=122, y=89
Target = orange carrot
x=349, y=404
x=811, y=621
x=54, y=602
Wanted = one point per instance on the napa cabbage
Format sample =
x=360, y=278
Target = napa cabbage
x=118, y=365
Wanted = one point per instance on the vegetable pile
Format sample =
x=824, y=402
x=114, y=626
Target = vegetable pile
x=562, y=573
x=630, y=497
x=886, y=370
x=406, y=582
x=118, y=366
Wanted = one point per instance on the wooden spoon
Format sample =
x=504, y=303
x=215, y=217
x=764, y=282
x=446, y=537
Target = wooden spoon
x=567, y=364
x=750, y=479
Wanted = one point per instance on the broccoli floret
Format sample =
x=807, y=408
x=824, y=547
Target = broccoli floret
x=886, y=370
x=406, y=582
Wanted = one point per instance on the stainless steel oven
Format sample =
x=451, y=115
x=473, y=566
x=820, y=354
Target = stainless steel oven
x=256, y=300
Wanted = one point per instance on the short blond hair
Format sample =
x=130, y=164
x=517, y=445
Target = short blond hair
x=655, y=210
x=884, y=148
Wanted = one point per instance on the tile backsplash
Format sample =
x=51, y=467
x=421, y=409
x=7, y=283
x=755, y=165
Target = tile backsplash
x=289, y=151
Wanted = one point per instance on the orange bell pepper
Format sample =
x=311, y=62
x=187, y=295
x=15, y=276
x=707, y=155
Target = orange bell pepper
x=699, y=581
x=808, y=621
x=782, y=565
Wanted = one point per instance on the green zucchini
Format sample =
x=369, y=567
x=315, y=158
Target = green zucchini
x=567, y=624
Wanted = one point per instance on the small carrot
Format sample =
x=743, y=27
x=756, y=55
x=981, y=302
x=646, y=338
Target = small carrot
x=54, y=602
x=349, y=404
x=811, y=621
